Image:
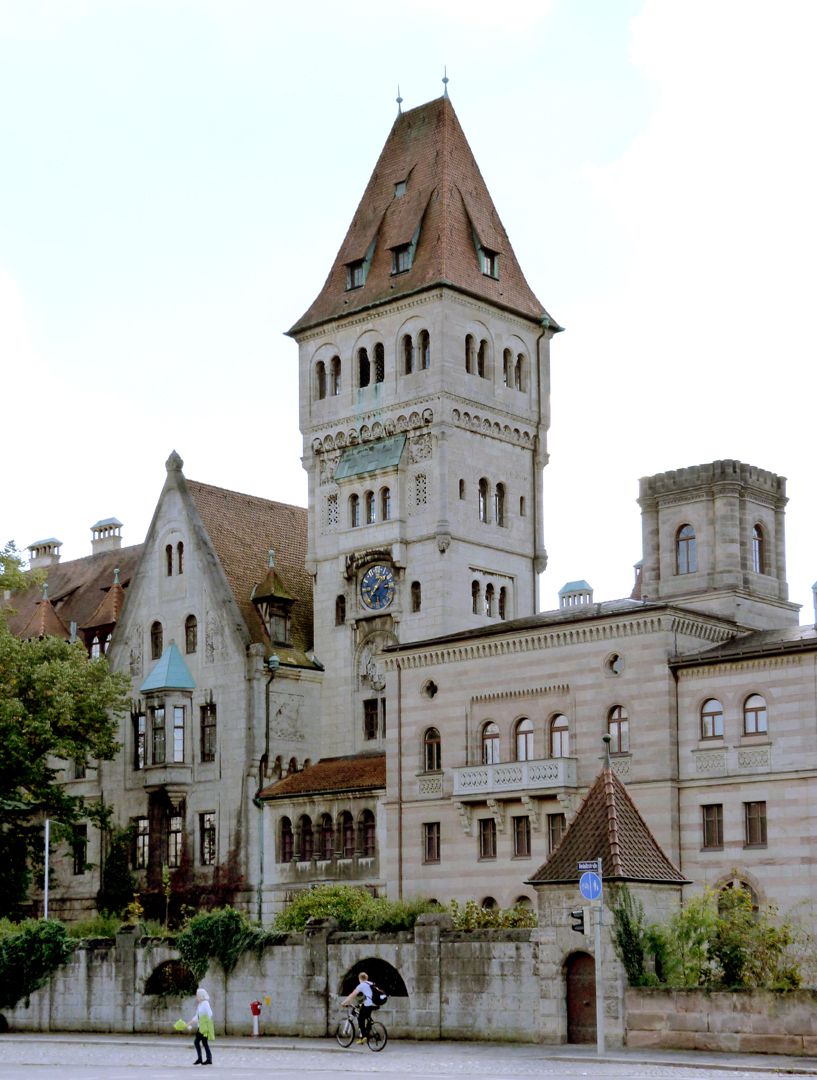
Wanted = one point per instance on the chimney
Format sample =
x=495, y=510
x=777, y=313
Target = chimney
x=44, y=553
x=575, y=594
x=106, y=536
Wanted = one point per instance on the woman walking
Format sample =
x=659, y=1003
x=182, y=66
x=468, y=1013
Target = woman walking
x=203, y=1021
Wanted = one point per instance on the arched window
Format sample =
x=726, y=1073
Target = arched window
x=482, y=359
x=469, y=354
x=618, y=728
x=369, y=502
x=169, y=560
x=320, y=380
x=180, y=558
x=96, y=649
x=524, y=739
x=340, y=610
x=334, y=383
x=490, y=743
x=475, y=597
x=354, y=511
x=364, y=368
x=559, y=737
x=191, y=634
x=462, y=489
x=106, y=644
x=379, y=363
x=502, y=606
x=416, y=596
x=347, y=835
x=327, y=838
x=758, y=550
x=285, y=841
x=686, y=552
x=499, y=504
x=507, y=367
x=482, y=499
x=366, y=832
x=408, y=354
x=489, y=600
x=712, y=719
x=755, y=721
x=385, y=504
x=488, y=903
x=520, y=380
x=156, y=641
x=425, y=350
x=307, y=838
x=521, y=505
x=432, y=750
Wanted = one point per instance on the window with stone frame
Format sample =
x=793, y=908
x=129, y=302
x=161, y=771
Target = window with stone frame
x=755, y=718
x=374, y=718
x=379, y=363
x=178, y=733
x=408, y=354
x=340, y=610
x=307, y=838
x=521, y=837
x=208, y=731
x=686, y=550
x=712, y=826
x=431, y=841
x=487, y=838
x=180, y=558
x=482, y=500
x=207, y=838
x=191, y=634
x=158, y=734
x=354, y=511
x=366, y=832
x=618, y=728
x=475, y=597
x=168, y=560
x=320, y=380
x=326, y=838
x=490, y=743
x=557, y=826
x=369, y=505
x=334, y=376
x=174, y=836
x=416, y=596
x=712, y=719
x=141, y=843
x=286, y=841
x=432, y=750
x=139, y=721
x=758, y=550
x=347, y=835
x=502, y=603
x=754, y=816
x=385, y=504
x=499, y=504
x=156, y=640
x=425, y=350
x=559, y=736
x=79, y=849
x=364, y=368
x=524, y=739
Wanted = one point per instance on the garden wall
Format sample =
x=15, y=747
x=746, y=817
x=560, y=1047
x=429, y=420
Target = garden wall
x=756, y=1022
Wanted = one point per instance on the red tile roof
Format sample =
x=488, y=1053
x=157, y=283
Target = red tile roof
x=608, y=825
x=446, y=198
x=242, y=529
x=44, y=622
x=359, y=772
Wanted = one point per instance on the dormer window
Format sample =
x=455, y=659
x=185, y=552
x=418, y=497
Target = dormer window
x=400, y=189
x=401, y=259
x=276, y=619
x=490, y=262
x=355, y=274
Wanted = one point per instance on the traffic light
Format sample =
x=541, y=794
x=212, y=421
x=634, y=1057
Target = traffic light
x=580, y=920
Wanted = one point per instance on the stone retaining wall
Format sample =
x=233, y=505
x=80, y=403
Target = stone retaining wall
x=746, y=1022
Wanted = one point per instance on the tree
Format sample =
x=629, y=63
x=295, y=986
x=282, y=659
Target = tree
x=56, y=706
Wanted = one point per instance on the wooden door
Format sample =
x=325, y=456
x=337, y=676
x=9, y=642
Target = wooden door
x=581, y=998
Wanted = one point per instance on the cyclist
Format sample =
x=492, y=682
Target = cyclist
x=364, y=987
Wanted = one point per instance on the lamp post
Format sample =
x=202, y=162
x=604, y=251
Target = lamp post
x=273, y=662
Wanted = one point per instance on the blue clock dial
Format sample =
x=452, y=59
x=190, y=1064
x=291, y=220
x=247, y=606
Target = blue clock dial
x=377, y=587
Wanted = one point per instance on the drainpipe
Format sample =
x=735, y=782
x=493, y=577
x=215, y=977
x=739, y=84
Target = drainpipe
x=399, y=780
x=272, y=663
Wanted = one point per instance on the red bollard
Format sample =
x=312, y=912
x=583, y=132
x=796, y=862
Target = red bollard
x=255, y=1009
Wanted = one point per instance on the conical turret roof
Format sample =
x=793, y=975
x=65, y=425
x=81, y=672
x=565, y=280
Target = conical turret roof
x=426, y=192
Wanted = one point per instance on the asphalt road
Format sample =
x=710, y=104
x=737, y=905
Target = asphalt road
x=95, y=1057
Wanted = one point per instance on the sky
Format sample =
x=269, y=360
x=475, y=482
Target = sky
x=176, y=177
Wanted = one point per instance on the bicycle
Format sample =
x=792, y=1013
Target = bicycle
x=349, y=1027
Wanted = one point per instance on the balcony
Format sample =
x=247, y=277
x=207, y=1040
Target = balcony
x=546, y=777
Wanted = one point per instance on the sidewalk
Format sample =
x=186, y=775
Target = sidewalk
x=690, y=1059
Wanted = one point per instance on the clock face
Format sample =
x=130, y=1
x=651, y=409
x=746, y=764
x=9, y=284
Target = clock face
x=377, y=587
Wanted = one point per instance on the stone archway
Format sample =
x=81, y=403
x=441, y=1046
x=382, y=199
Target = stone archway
x=580, y=989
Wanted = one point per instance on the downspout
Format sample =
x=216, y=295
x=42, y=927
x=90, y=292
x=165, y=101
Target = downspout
x=399, y=780
x=272, y=664
x=677, y=773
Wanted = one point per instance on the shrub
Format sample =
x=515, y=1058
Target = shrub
x=100, y=926
x=223, y=936
x=352, y=908
x=629, y=935
x=29, y=953
x=471, y=916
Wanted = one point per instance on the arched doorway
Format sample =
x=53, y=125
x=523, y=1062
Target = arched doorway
x=580, y=977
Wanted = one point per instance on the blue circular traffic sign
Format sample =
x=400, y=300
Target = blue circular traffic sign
x=590, y=886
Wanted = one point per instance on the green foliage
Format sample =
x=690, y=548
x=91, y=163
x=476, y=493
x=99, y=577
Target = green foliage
x=29, y=953
x=748, y=947
x=629, y=935
x=118, y=883
x=55, y=704
x=352, y=908
x=12, y=576
x=223, y=935
x=471, y=916
x=100, y=926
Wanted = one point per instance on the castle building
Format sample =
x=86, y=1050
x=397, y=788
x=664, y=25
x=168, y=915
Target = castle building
x=367, y=691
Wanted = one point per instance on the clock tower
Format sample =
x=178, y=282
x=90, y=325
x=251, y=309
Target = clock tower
x=424, y=408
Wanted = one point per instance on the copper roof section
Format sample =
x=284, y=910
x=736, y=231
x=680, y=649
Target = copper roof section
x=446, y=208
x=76, y=588
x=359, y=772
x=608, y=825
x=242, y=529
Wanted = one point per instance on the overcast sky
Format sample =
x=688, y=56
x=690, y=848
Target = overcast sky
x=176, y=177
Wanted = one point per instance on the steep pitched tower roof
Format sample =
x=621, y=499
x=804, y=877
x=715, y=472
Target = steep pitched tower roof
x=427, y=202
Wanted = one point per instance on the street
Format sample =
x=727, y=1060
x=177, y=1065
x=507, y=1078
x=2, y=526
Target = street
x=117, y=1057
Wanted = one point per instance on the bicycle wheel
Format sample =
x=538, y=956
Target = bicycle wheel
x=378, y=1036
x=345, y=1032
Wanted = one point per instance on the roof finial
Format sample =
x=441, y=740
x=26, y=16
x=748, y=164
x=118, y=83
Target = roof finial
x=399, y=102
x=271, y=559
x=116, y=576
x=45, y=590
x=445, y=81
x=606, y=739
